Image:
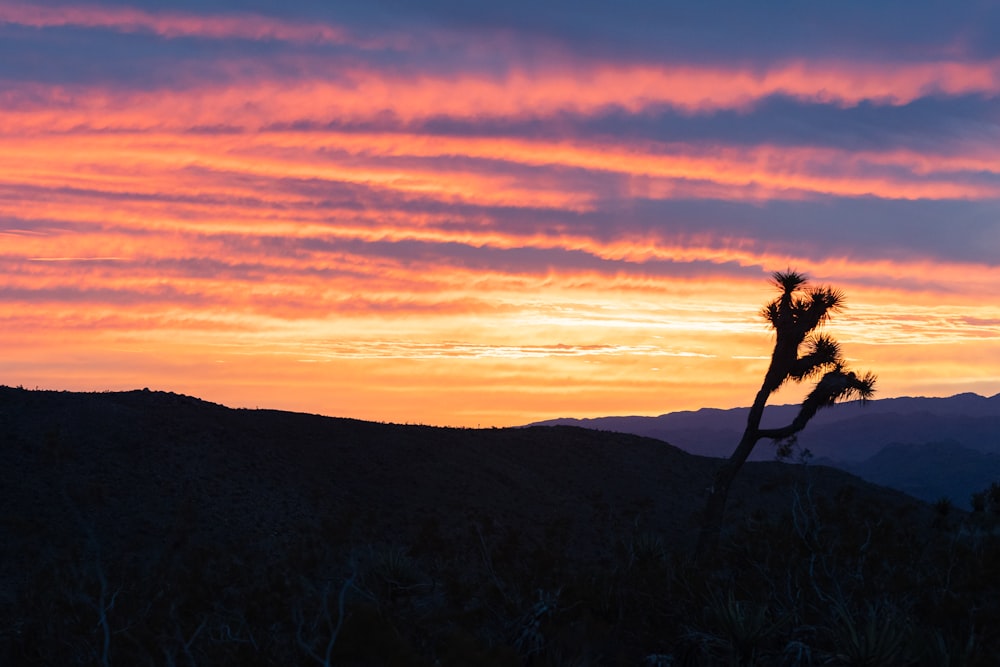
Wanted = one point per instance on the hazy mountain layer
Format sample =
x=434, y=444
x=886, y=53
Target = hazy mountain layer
x=854, y=438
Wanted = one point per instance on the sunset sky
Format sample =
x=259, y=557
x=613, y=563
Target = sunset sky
x=465, y=213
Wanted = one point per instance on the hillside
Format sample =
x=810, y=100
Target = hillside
x=175, y=503
x=130, y=462
x=961, y=471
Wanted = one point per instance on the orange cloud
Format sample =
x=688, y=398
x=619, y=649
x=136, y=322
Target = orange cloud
x=364, y=92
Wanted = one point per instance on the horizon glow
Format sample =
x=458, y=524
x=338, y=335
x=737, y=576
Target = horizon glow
x=453, y=216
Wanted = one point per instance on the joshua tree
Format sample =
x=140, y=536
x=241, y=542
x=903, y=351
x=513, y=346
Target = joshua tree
x=798, y=354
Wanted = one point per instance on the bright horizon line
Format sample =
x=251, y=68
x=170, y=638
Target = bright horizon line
x=407, y=423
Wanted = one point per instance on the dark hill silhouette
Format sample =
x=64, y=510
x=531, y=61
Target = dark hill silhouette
x=140, y=452
x=134, y=462
x=181, y=504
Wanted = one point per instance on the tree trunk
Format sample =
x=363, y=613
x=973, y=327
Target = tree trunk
x=715, y=506
x=832, y=384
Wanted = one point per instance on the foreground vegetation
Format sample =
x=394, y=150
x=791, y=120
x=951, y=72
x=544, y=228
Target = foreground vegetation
x=148, y=528
x=830, y=581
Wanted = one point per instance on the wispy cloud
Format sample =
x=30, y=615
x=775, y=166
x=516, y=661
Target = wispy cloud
x=172, y=24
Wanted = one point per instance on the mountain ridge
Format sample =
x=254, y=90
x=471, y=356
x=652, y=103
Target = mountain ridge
x=848, y=436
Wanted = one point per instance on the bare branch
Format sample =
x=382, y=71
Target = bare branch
x=324, y=616
x=836, y=385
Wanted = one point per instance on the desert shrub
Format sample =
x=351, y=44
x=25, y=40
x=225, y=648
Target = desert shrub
x=875, y=635
x=987, y=500
x=742, y=632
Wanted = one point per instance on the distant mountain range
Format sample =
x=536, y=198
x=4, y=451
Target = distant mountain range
x=928, y=447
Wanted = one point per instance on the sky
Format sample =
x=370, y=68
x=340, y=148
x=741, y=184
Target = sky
x=487, y=214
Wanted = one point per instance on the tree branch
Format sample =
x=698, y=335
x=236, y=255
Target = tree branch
x=836, y=385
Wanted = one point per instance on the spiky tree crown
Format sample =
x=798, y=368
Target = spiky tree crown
x=800, y=309
x=799, y=352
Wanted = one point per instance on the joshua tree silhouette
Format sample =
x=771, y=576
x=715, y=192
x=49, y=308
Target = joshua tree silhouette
x=798, y=354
